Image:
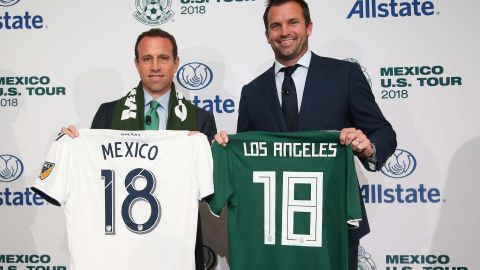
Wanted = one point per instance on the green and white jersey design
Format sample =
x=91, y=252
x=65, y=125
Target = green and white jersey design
x=290, y=198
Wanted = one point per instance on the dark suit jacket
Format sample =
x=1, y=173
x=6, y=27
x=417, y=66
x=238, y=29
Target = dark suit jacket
x=336, y=96
x=206, y=125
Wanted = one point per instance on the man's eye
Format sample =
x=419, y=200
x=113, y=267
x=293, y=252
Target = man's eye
x=274, y=26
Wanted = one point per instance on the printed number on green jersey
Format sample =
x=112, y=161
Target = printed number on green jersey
x=291, y=206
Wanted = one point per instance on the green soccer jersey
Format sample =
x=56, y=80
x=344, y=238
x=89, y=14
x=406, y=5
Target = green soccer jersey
x=290, y=197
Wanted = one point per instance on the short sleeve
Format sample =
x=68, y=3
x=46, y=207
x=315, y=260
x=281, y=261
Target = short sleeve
x=52, y=182
x=203, y=166
x=354, y=212
x=221, y=179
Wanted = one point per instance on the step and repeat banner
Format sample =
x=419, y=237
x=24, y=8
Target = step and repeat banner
x=59, y=60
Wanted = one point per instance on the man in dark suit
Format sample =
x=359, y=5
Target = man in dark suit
x=303, y=91
x=154, y=103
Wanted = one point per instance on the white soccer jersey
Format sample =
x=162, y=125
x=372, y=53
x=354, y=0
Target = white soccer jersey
x=130, y=197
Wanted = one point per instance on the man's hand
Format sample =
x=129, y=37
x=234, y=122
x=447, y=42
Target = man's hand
x=221, y=138
x=71, y=131
x=361, y=145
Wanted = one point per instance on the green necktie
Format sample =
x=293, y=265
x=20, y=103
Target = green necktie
x=151, y=119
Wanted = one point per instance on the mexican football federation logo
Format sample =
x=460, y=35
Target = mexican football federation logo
x=401, y=164
x=7, y=3
x=10, y=168
x=194, y=76
x=365, y=261
x=364, y=70
x=153, y=12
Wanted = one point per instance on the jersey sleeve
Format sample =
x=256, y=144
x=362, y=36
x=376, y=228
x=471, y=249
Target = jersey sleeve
x=221, y=179
x=203, y=166
x=354, y=212
x=52, y=182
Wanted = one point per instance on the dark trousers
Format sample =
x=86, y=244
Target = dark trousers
x=199, y=261
x=353, y=255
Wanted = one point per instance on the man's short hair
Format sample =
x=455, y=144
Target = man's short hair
x=157, y=32
x=274, y=3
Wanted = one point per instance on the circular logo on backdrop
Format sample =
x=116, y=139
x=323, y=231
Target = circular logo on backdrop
x=365, y=261
x=364, y=70
x=7, y=3
x=194, y=76
x=401, y=164
x=210, y=257
x=153, y=12
x=11, y=168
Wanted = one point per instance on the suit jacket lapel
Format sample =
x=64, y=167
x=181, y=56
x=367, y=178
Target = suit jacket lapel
x=271, y=97
x=315, y=78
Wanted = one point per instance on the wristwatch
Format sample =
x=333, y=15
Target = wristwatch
x=373, y=157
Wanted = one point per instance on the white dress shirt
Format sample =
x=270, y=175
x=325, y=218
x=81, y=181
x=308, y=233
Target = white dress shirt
x=299, y=76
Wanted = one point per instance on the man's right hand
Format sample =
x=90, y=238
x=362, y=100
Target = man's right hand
x=221, y=138
x=71, y=131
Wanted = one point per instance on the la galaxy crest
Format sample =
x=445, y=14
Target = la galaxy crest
x=46, y=170
x=153, y=12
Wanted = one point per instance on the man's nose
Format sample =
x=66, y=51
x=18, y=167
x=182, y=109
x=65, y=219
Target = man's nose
x=156, y=65
x=284, y=30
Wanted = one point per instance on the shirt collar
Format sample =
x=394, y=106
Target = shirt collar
x=304, y=61
x=163, y=100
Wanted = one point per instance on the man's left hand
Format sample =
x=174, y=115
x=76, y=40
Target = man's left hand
x=361, y=145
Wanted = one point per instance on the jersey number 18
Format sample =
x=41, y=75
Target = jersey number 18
x=134, y=195
x=291, y=206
